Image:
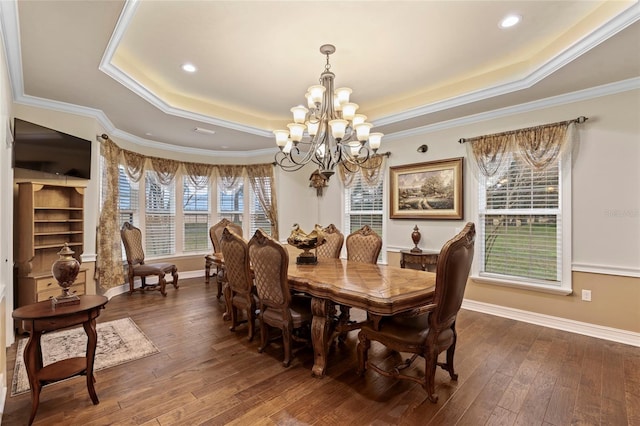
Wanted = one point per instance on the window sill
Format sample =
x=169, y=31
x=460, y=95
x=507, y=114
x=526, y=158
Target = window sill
x=560, y=291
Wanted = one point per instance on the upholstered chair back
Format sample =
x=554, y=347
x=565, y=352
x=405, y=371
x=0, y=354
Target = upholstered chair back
x=132, y=240
x=333, y=243
x=270, y=263
x=215, y=232
x=364, y=245
x=235, y=250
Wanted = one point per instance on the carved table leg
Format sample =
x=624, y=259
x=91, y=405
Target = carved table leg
x=322, y=325
x=92, y=335
x=33, y=363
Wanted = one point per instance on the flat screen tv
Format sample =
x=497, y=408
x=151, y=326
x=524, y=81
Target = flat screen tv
x=46, y=150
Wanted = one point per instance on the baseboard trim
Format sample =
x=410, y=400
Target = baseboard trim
x=592, y=330
x=124, y=288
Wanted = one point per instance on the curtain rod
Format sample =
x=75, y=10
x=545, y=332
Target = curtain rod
x=578, y=120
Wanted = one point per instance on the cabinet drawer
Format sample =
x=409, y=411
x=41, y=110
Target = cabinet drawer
x=77, y=289
x=48, y=283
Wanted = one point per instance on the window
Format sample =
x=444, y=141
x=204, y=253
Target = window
x=127, y=198
x=364, y=206
x=522, y=231
x=160, y=216
x=259, y=219
x=231, y=204
x=195, y=209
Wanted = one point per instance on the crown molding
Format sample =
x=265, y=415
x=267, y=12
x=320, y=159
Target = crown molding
x=11, y=39
x=620, y=22
x=581, y=95
x=128, y=12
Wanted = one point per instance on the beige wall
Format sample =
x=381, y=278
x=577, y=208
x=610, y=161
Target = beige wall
x=606, y=204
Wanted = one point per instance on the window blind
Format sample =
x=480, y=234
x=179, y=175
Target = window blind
x=364, y=206
x=195, y=217
x=521, y=221
x=160, y=216
x=231, y=205
x=258, y=217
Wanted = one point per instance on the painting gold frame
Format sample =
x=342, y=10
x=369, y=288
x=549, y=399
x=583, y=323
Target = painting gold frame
x=432, y=190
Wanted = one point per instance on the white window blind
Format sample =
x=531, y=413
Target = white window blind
x=160, y=216
x=231, y=204
x=195, y=217
x=258, y=217
x=364, y=206
x=127, y=198
x=521, y=223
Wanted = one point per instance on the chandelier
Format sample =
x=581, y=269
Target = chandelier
x=328, y=132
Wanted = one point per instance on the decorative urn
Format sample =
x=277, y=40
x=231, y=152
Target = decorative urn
x=306, y=243
x=415, y=237
x=65, y=271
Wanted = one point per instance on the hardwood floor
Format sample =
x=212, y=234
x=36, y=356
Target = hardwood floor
x=510, y=373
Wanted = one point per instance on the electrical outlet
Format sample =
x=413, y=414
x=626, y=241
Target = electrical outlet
x=586, y=295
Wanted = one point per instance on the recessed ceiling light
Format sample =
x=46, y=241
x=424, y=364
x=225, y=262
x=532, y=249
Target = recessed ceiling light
x=224, y=146
x=189, y=67
x=148, y=134
x=509, y=21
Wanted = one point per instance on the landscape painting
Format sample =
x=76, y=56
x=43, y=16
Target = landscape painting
x=430, y=190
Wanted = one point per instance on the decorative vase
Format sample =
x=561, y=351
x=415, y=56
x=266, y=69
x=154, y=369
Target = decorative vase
x=65, y=271
x=415, y=237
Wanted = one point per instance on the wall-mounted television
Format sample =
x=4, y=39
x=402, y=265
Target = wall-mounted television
x=46, y=150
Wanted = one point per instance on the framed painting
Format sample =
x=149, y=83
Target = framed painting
x=430, y=190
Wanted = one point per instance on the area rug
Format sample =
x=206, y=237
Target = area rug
x=119, y=341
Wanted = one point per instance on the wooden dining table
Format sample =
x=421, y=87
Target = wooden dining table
x=380, y=290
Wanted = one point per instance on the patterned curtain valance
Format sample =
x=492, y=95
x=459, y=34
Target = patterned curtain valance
x=538, y=146
x=371, y=170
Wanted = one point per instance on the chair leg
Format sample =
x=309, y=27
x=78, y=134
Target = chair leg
x=131, y=288
x=207, y=271
x=174, y=277
x=451, y=350
x=162, y=282
x=363, y=353
x=251, y=318
x=234, y=317
x=264, y=336
x=219, y=281
x=227, y=301
x=431, y=361
x=286, y=340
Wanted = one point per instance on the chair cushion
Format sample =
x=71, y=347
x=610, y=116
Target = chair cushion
x=300, y=312
x=406, y=331
x=153, y=269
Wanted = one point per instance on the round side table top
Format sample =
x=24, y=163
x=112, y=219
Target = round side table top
x=44, y=309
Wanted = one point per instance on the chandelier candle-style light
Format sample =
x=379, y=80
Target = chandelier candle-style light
x=329, y=131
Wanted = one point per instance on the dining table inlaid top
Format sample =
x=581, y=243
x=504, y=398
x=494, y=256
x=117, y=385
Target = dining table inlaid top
x=379, y=289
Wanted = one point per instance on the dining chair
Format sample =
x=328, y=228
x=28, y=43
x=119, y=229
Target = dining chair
x=431, y=329
x=278, y=309
x=364, y=245
x=333, y=243
x=215, y=232
x=132, y=240
x=240, y=290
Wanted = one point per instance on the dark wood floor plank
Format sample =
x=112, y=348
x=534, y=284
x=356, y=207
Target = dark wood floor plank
x=208, y=375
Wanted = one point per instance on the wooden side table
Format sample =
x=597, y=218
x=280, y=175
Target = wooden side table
x=425, y=261
x=41, y=317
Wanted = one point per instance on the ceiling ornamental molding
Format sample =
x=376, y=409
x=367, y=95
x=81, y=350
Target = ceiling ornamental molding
x=608, y=30
x=11, y=38
x=581, y=95
x=107, y=67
